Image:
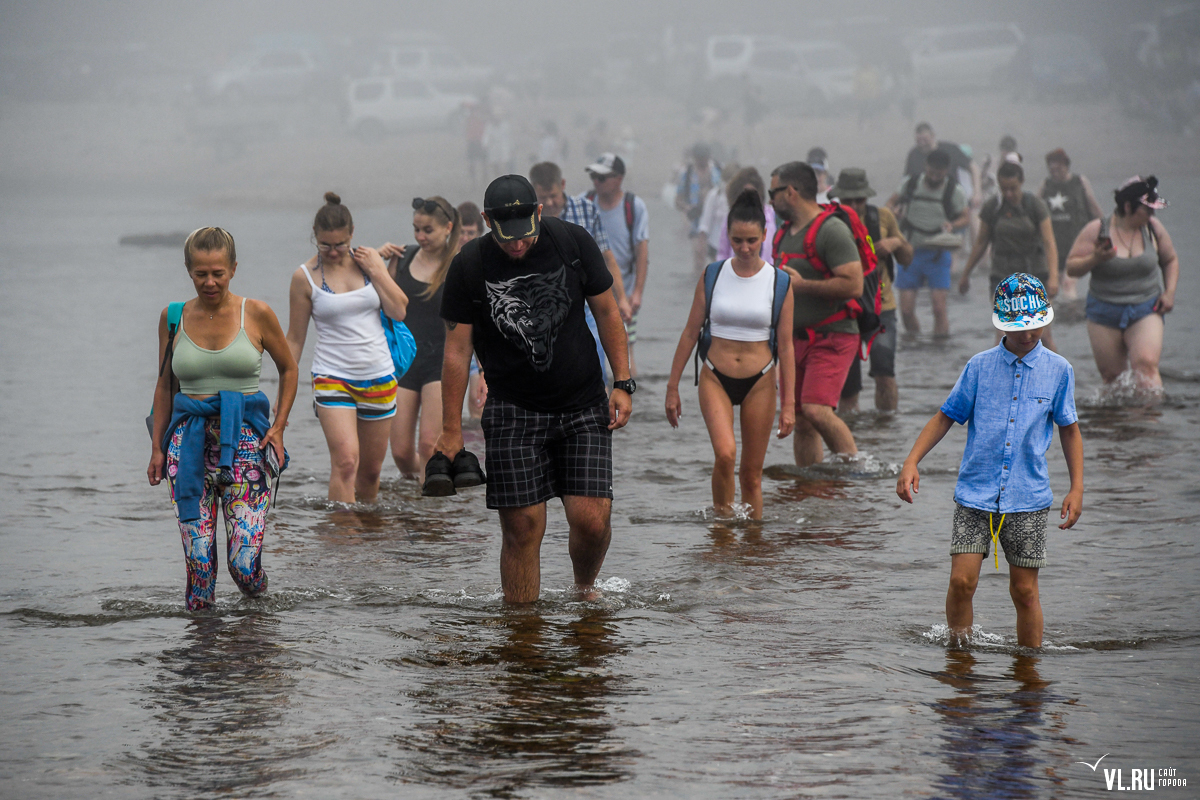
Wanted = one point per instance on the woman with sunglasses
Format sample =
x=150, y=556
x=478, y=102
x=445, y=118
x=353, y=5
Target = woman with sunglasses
x=1134, y=269
x=342, y=289
x=420, y=272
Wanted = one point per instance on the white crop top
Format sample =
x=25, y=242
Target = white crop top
x=350, y=340
x=741, y=307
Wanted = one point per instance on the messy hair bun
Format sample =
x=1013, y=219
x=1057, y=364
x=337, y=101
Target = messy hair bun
x=333, y=216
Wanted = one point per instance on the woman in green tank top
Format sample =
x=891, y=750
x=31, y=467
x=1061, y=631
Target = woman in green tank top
x=1134, y=271
x=216, y=354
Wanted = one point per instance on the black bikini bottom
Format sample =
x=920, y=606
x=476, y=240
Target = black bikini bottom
x=737, y=388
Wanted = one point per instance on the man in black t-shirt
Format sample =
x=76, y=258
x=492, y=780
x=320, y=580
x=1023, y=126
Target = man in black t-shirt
x=925, y=142
x=516, y=297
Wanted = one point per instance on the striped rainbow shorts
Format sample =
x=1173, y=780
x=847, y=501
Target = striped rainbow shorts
x=372, y=399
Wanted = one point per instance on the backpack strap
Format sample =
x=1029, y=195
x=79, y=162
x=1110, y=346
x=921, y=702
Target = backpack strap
x=948, y=194
x=810, y=238
x=777, y=241
x=629, y=197
x=783, y=285
x=174, y=317
x=711, y=273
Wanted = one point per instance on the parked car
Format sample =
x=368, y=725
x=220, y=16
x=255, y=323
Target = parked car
x=273, y=74
x=437, y=64
x=961, y=56
x=383, y=104
x=813, y=74
x=729, y=56
x=1059, y=65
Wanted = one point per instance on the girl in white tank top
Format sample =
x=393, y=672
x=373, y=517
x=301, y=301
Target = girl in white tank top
x=342, y=290
x=740, y=316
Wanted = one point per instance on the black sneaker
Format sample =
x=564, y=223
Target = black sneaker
x=438, y=480
x=467, y=471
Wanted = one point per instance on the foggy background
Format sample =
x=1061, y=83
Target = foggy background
x=143, y=97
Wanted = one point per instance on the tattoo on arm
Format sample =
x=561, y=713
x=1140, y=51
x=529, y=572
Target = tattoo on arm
x=450, y=325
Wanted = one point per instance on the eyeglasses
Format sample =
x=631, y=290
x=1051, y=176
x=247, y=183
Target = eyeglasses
x=341, y=247
x=772, y=192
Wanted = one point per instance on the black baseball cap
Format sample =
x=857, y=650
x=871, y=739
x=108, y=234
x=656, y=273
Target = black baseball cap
x=511, y=204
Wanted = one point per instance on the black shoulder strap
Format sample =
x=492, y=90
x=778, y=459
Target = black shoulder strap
x=948, y=194
x=629, y=218
x=548, y=225
x=910, y=188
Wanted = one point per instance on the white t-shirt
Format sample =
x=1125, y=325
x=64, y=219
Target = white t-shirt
x=741, y=307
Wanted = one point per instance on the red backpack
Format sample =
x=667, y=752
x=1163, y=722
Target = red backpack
x=869, y=305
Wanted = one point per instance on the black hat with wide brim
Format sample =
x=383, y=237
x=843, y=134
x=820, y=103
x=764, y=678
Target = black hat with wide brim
x=511, y=204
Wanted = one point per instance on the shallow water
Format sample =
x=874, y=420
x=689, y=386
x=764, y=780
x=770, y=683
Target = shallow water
x=803, y=657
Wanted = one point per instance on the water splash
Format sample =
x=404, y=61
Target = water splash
x=1125, y=392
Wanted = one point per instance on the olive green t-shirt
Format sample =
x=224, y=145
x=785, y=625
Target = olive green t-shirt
x=835, y=246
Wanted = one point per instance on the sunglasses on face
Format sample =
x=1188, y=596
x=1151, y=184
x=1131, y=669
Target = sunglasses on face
x=771, y=193
x=599, y=178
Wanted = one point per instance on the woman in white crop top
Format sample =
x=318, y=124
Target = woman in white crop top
x=747, y=296
x=342, y=289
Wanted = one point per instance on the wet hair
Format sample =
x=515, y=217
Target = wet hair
x=1008, y=143
x=1010, y=169
x=208, y=240
x=447, y=213
x=547, y=175
x=923, y=127
x=333, y=216
x=468, y=214
x=747, y=207
x=938, y=159
x=1058, y=155
x=747, y=176
x=799, y=175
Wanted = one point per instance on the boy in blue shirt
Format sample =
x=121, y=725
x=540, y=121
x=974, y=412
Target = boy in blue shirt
x=1010, y=398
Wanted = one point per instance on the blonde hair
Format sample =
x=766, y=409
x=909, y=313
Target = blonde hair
x=208, y=240
x=455, y=219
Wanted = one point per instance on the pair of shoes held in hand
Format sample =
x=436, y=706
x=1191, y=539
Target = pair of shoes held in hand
x=443, y=476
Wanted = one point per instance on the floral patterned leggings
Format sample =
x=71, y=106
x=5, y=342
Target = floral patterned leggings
x=244, y=503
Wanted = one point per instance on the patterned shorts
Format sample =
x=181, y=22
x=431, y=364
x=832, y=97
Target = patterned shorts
x=1022, y=535
x=373, y=399
x=532, y=456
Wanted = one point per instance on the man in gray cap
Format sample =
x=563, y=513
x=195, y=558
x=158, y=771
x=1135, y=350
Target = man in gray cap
x=852, y=189
x=516, y=297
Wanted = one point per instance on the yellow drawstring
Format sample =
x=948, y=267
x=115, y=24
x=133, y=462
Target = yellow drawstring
x=996, y=537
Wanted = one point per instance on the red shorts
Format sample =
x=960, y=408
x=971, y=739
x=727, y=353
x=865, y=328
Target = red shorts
x=822, y=364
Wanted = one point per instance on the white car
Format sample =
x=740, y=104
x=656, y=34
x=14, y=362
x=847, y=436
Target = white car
x=730, y=56
x=808, y=74
x=380, y=105
x=962, y=56
x=436, y=64
x=277, y=73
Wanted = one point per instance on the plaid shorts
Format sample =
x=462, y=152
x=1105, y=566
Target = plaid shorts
x=532, y=456
x=1022, y=535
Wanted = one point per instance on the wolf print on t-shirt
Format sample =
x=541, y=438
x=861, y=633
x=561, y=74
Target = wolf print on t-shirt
x=529, y=310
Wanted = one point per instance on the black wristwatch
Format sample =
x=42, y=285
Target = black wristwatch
x=628, y=386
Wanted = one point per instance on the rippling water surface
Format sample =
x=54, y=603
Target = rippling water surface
x=804, y=657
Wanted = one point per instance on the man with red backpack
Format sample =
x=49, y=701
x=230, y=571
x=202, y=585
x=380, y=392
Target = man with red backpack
x=826, y=268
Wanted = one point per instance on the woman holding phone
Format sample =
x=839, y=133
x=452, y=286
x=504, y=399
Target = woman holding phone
x=1134, y=271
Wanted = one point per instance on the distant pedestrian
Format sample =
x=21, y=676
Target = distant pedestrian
x=698, y=177
x=627, y=225
x=1072, y=205
x=1003, y=493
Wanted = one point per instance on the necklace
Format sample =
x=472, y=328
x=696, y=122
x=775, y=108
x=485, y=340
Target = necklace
x=1128, y=245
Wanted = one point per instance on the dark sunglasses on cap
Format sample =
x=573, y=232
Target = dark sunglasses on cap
x=505, y=213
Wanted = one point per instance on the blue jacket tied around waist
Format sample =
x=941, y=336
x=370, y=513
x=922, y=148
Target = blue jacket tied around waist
x=234, y=409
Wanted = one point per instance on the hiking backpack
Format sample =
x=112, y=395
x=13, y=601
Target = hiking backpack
x=865, y=308
x=909, y=194
x=174, y=317
x=628, y=203
x=783, y=284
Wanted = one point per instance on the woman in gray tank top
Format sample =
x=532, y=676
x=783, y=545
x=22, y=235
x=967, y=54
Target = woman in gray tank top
x=1134, y=270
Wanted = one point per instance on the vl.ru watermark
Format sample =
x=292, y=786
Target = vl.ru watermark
x=1138, y=779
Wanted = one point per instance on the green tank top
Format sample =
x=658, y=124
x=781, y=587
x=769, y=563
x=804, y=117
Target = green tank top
x=234, y=368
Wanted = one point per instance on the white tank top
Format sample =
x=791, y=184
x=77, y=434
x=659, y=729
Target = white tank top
x=350, y=341
x=741, y=307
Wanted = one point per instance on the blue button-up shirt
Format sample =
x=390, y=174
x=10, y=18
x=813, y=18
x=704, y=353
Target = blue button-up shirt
x=583, y=212
x=1010, y=406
